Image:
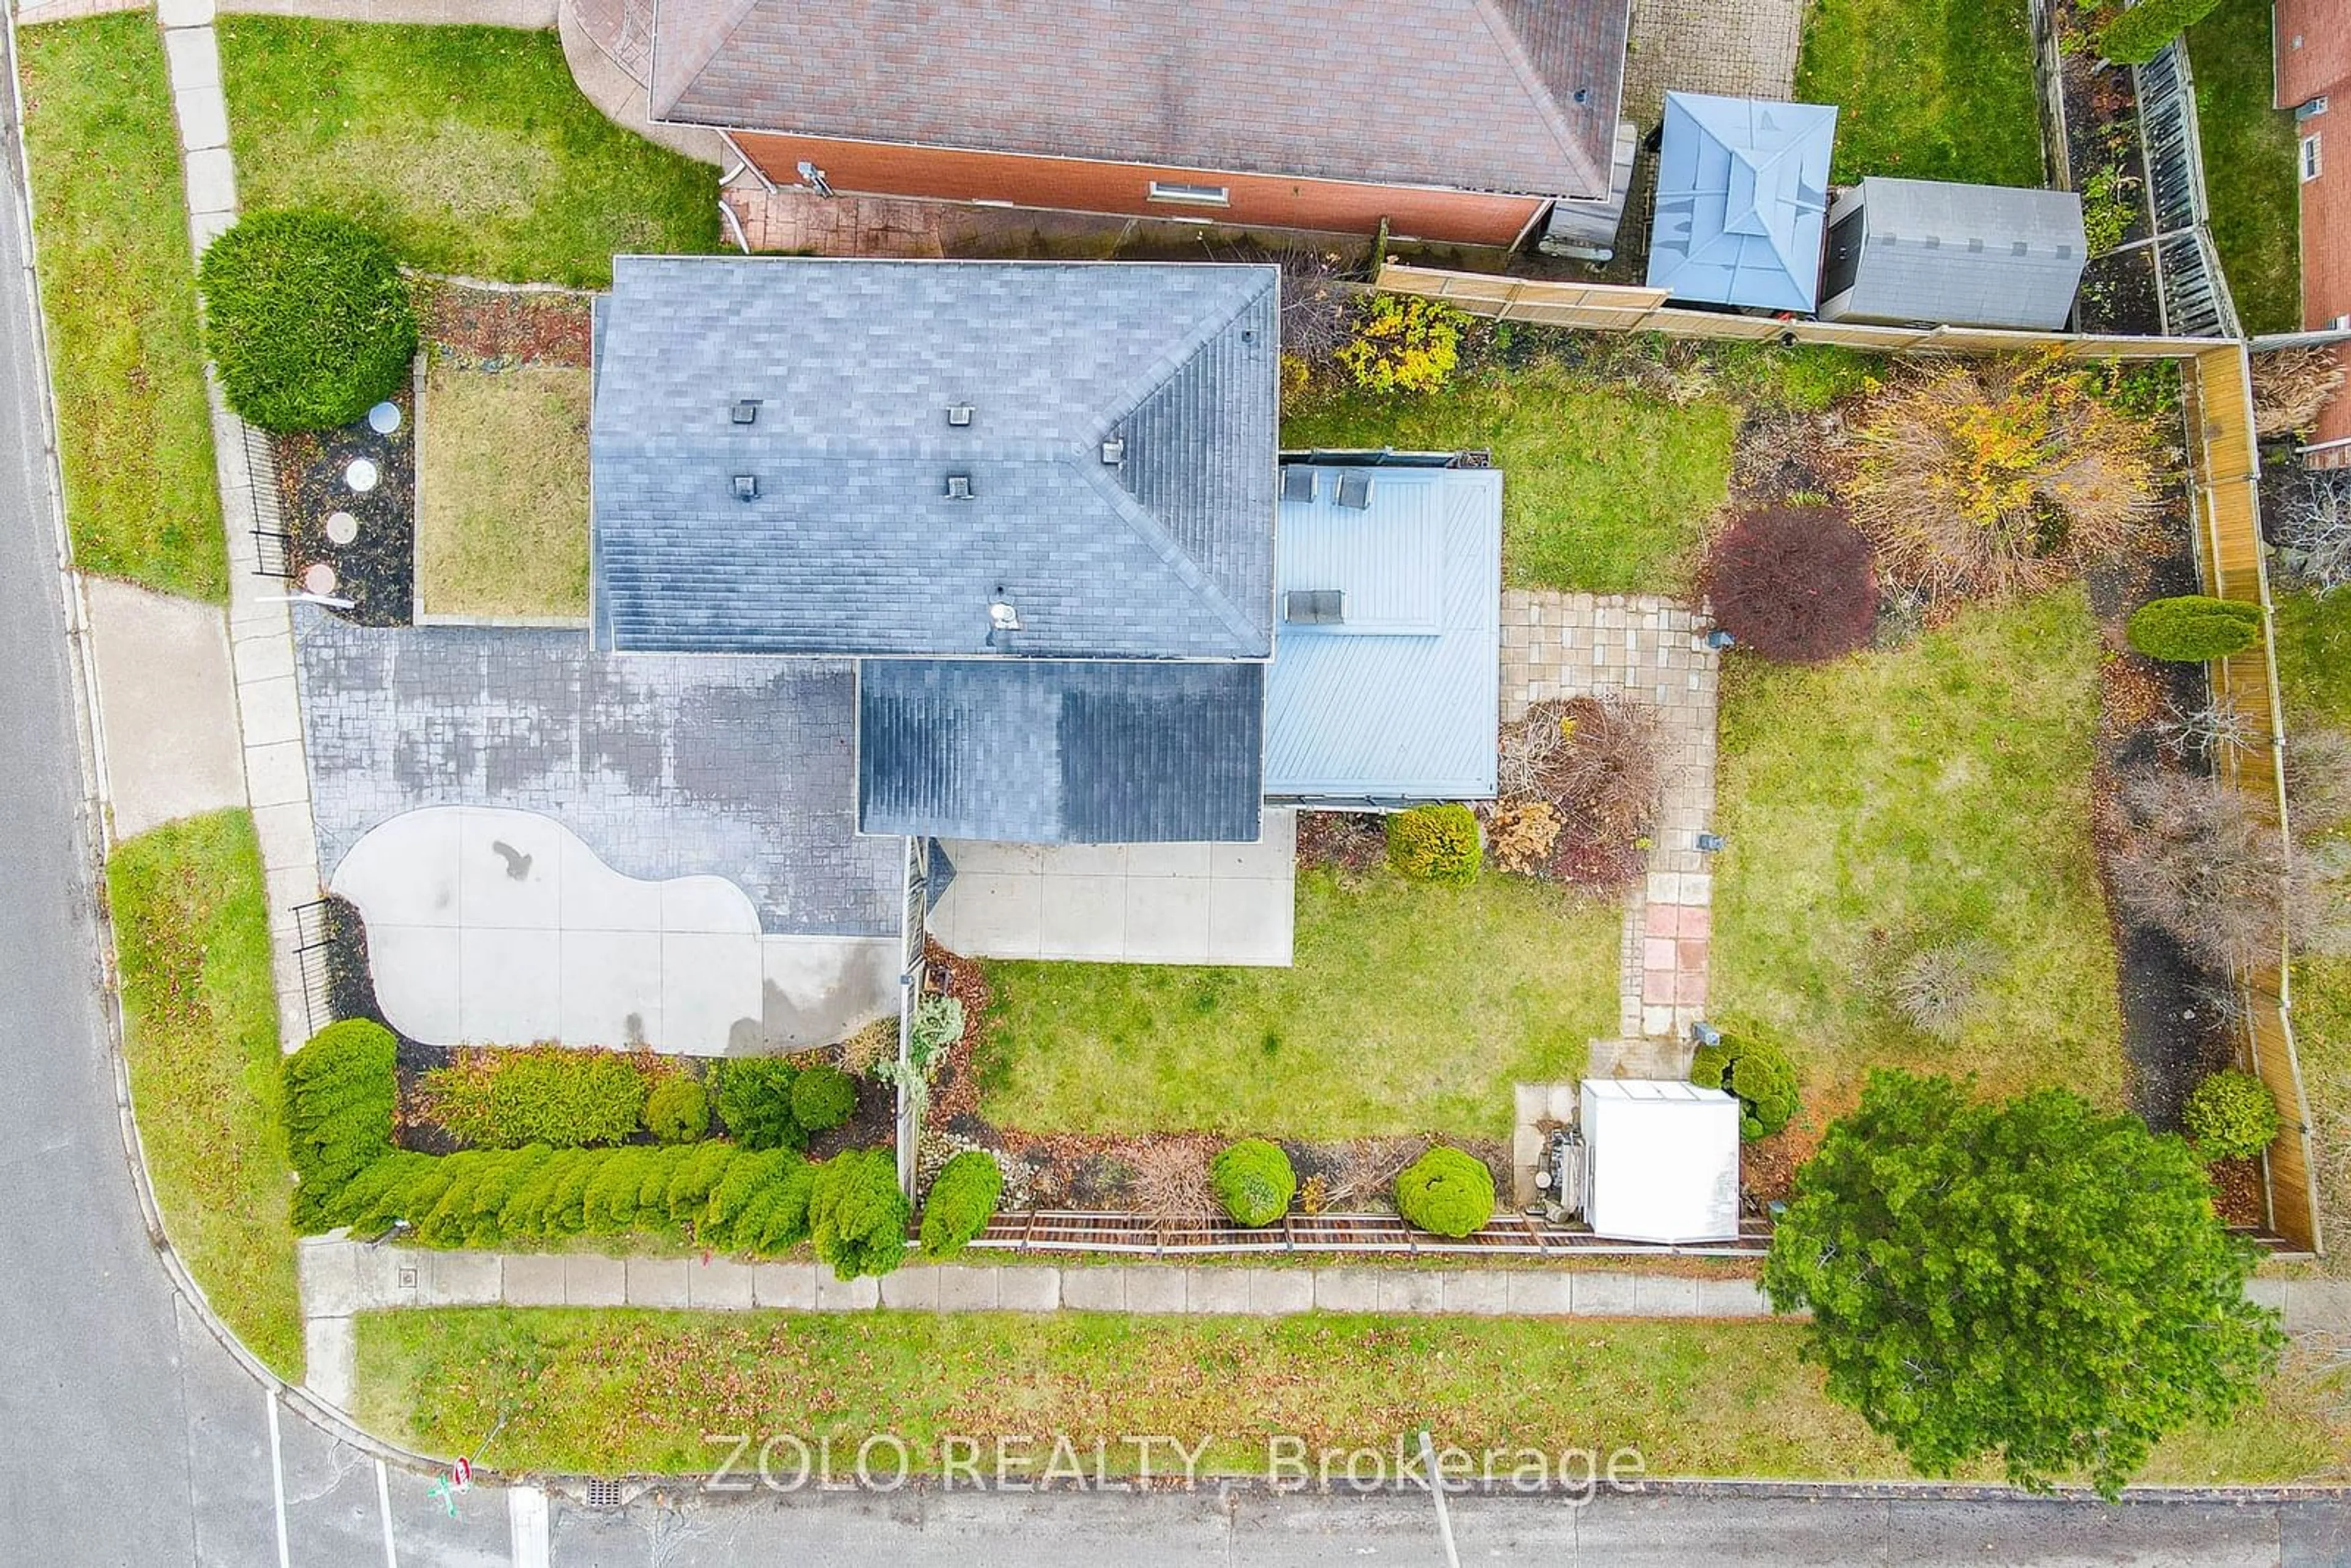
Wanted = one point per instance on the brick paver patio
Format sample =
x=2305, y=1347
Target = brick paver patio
x=1650, y=651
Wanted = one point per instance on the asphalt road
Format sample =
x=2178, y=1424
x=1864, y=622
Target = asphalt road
x=130, y=1436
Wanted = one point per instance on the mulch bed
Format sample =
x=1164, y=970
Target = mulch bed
x=376, y=570
x=2237, y=1193
x=2170, y=1038
x=1349, y=841
x=2101, y=113
x=494, y=328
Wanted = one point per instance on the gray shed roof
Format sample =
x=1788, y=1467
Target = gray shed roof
x=853, y=544
x=1499, y=94
x=1978, y=255
x=1060, y=751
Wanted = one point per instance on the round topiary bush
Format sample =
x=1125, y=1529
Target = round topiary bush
x=1445, y=1191
x=754, y=1097
x=961, y=1202
x=678, y=1110
x=1435, y=843
x=308, y=318
x=1794, y=583
x=823, y=1097
x=1758, y=1073
x=2191, y=628
x=1254, y=1181
x=2230, y=1115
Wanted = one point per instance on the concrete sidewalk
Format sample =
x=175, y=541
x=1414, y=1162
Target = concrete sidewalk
x=167, y=707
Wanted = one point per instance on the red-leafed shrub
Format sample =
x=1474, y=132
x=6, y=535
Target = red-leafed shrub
x=1793, y=583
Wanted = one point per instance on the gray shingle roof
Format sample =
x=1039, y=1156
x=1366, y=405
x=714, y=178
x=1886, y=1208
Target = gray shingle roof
x=1983, y=255
x=853, y=545
x=1498, y=95
x=1060, y=751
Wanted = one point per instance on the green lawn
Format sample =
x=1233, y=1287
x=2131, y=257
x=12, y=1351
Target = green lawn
x=2248, y=165
x=191, y=924
x=1603, y=488
x=1929, y=90
x=119, y=291
x=1889, y=801
x=2313, y=645
x=468, y=148
x=1411, y=1008
x=579, y=1390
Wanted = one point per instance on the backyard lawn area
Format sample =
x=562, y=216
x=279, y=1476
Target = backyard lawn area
x=191, y=924
x=1605, y=489
x=502, y=487
x=1411, y=1008
x=118, y=290
x=468, y=148
x=571, y=1390
x=1893, y=801
x=2248, y=165
x=1929, y=90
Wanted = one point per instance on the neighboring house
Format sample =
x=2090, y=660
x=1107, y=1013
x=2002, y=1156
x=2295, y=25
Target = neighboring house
x=2314, y=68
x=1464, y=121
x=924, y=595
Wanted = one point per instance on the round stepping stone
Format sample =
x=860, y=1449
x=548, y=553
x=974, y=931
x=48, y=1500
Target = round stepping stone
x=342, y=527
x=318, y=577
x=362, y=474
x=384, y=418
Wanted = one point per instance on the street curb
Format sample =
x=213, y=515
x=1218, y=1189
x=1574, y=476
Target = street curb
x=96, y=808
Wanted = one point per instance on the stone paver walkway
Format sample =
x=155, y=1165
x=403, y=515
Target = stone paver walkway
x=167, y=706
x=1739, y=49
x=261, y=643
x=1650, y=651
x=341, y=1278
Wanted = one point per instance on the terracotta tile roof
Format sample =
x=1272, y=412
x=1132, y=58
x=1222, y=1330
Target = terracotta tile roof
x=2313, y=48
x=1518, y=96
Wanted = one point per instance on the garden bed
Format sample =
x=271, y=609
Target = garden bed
x=2105, y=163
x=376, y=571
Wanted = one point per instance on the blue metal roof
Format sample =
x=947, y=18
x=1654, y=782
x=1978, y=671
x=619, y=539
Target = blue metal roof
x=1061, y=750
x=1114, y=439
x=1401, y=697
x=1742, y=199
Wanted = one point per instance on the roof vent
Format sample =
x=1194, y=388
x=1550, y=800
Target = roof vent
x=746, y=410
x=746, y=487
x=1298, y=483
x=959, y=414
x=1355, y=490
x=1314, y=607
x=958, y=487
x=1003, y=621
x=1114, y=450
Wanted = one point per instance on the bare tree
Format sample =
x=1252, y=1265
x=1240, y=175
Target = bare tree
x=2197, y=862
x=2314, y=528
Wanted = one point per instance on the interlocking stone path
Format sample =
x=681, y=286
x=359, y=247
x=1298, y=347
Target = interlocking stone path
x=1739, y=49
x=1652, y=652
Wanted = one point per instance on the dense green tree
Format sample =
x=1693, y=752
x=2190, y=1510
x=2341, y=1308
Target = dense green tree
x=2038, y=1280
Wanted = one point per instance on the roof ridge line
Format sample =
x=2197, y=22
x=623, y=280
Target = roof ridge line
x=1146, y=528
x=654, y=107
x=1546, y=101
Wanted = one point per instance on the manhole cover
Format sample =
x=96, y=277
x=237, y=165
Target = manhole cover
x=342, y=527
x=360, y=475
x=319, y=579
x=384, y=418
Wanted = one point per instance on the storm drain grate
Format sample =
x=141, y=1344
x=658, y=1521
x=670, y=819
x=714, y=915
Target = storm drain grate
x=604, y=1494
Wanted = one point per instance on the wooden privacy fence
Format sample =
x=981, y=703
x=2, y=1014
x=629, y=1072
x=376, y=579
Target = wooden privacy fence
x=1624, y=308
x=2224, y=461
x=1504, y=1236
x=2224, y=469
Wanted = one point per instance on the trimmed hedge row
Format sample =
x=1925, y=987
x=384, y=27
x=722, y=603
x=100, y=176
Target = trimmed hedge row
x=567, y=1097
x=341, y=1099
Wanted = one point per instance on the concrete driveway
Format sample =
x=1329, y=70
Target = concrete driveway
x=1125, y=903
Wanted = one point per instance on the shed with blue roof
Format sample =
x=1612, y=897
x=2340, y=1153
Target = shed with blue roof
x=1742, y=202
